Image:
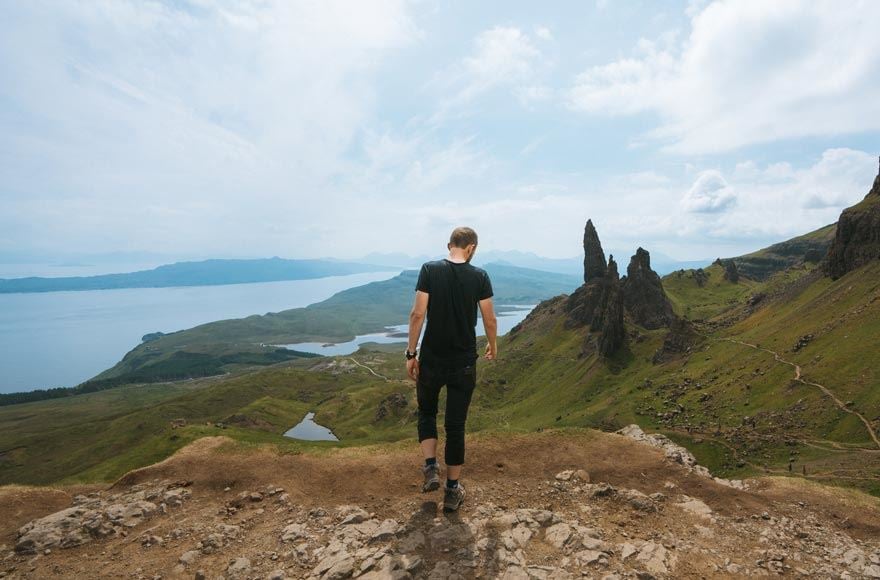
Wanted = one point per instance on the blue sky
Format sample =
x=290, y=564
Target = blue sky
x=324, y=128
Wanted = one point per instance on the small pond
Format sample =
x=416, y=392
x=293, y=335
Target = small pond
x=308, y=430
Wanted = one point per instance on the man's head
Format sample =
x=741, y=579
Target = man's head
x=463, y=239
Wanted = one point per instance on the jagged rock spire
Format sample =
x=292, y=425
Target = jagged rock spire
x=639, y=264
x=643, y=293
x=594, y=257
x=613, y=330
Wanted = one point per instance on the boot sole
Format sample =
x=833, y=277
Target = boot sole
x=433, y=486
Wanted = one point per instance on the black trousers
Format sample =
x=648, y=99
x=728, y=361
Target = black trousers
x=460, y=382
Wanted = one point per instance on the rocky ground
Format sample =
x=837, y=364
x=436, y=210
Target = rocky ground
x=546, y=505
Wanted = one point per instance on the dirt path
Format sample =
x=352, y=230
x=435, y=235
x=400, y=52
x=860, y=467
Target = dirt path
x=369, y=369
x=824, y=389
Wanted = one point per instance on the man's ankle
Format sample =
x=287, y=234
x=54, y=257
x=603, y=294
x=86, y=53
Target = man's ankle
x=430, y=461
x=451, y=483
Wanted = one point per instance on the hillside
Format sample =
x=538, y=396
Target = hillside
x=200, y=351
x=806, y=249
x=557, y=504
x=204, y=273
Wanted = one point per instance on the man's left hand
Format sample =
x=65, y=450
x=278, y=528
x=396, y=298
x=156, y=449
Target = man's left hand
x=412, y=368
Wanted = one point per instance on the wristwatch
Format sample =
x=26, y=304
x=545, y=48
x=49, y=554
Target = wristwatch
x=410, y=355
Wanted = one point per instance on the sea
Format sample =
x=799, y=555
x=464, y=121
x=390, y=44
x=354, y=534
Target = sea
x=60, y=339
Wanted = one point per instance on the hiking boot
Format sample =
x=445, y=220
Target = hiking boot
x=453, y=498
x=432, y=478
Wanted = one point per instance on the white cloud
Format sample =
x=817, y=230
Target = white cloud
x=503, y=55
x=778, y=201
x=175, y=125
x=748, y=72
x=529, y=95
x=710, y=193
x=543, y=33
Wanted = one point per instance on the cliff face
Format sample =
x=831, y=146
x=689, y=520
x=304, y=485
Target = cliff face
x=643, y=294
x=613, y=330
x=597, y=303
x=857, y=240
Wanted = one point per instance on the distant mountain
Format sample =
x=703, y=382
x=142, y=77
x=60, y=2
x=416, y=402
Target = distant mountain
x=574, y=266
x=203, y=273
x=395, y=259
x=661, y=263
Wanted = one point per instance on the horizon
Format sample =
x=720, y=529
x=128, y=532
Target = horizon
x=692, y=129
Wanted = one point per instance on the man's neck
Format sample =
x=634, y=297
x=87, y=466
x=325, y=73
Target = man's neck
x=456, y=257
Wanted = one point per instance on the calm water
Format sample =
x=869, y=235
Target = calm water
x=308, y=430
x=507, y=319
x=59, y=339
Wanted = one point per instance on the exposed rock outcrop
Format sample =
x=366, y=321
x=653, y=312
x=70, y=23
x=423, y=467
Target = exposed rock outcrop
x=594, y=257
x=584, y=304
x=598, y=303
x=643, y=294
x=676, y=453
x=682, y=337
x=391, y=405
x=613, y=329
x=99, y=516
x=731, y=274
x=857, y=240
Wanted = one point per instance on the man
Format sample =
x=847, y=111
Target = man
x=448, y=292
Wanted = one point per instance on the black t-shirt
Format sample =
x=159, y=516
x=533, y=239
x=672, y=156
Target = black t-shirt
x=454, y=289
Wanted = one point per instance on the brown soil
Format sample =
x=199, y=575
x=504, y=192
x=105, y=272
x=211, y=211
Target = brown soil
x=502, y=470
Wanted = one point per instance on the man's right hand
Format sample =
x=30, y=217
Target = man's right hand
x=412, y=368
x=491, y=351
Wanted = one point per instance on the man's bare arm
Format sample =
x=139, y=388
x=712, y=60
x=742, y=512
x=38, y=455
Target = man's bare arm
x=490, y=324
x=416, y=320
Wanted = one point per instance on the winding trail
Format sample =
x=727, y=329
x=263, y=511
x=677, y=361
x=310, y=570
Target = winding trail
x=797, y=377
x=369, y=369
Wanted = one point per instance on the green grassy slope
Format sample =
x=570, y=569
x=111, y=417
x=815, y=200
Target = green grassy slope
x=716, y=295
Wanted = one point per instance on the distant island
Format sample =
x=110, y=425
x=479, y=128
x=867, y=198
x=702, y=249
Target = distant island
x=203, y=273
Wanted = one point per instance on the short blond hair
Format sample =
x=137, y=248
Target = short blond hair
x=462, y=237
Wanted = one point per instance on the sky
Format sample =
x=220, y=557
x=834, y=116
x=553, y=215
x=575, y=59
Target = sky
x=256, y=128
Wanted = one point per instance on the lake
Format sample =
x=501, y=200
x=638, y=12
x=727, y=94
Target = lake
x=508, y=317
x=308, y=430
x=59, y=339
